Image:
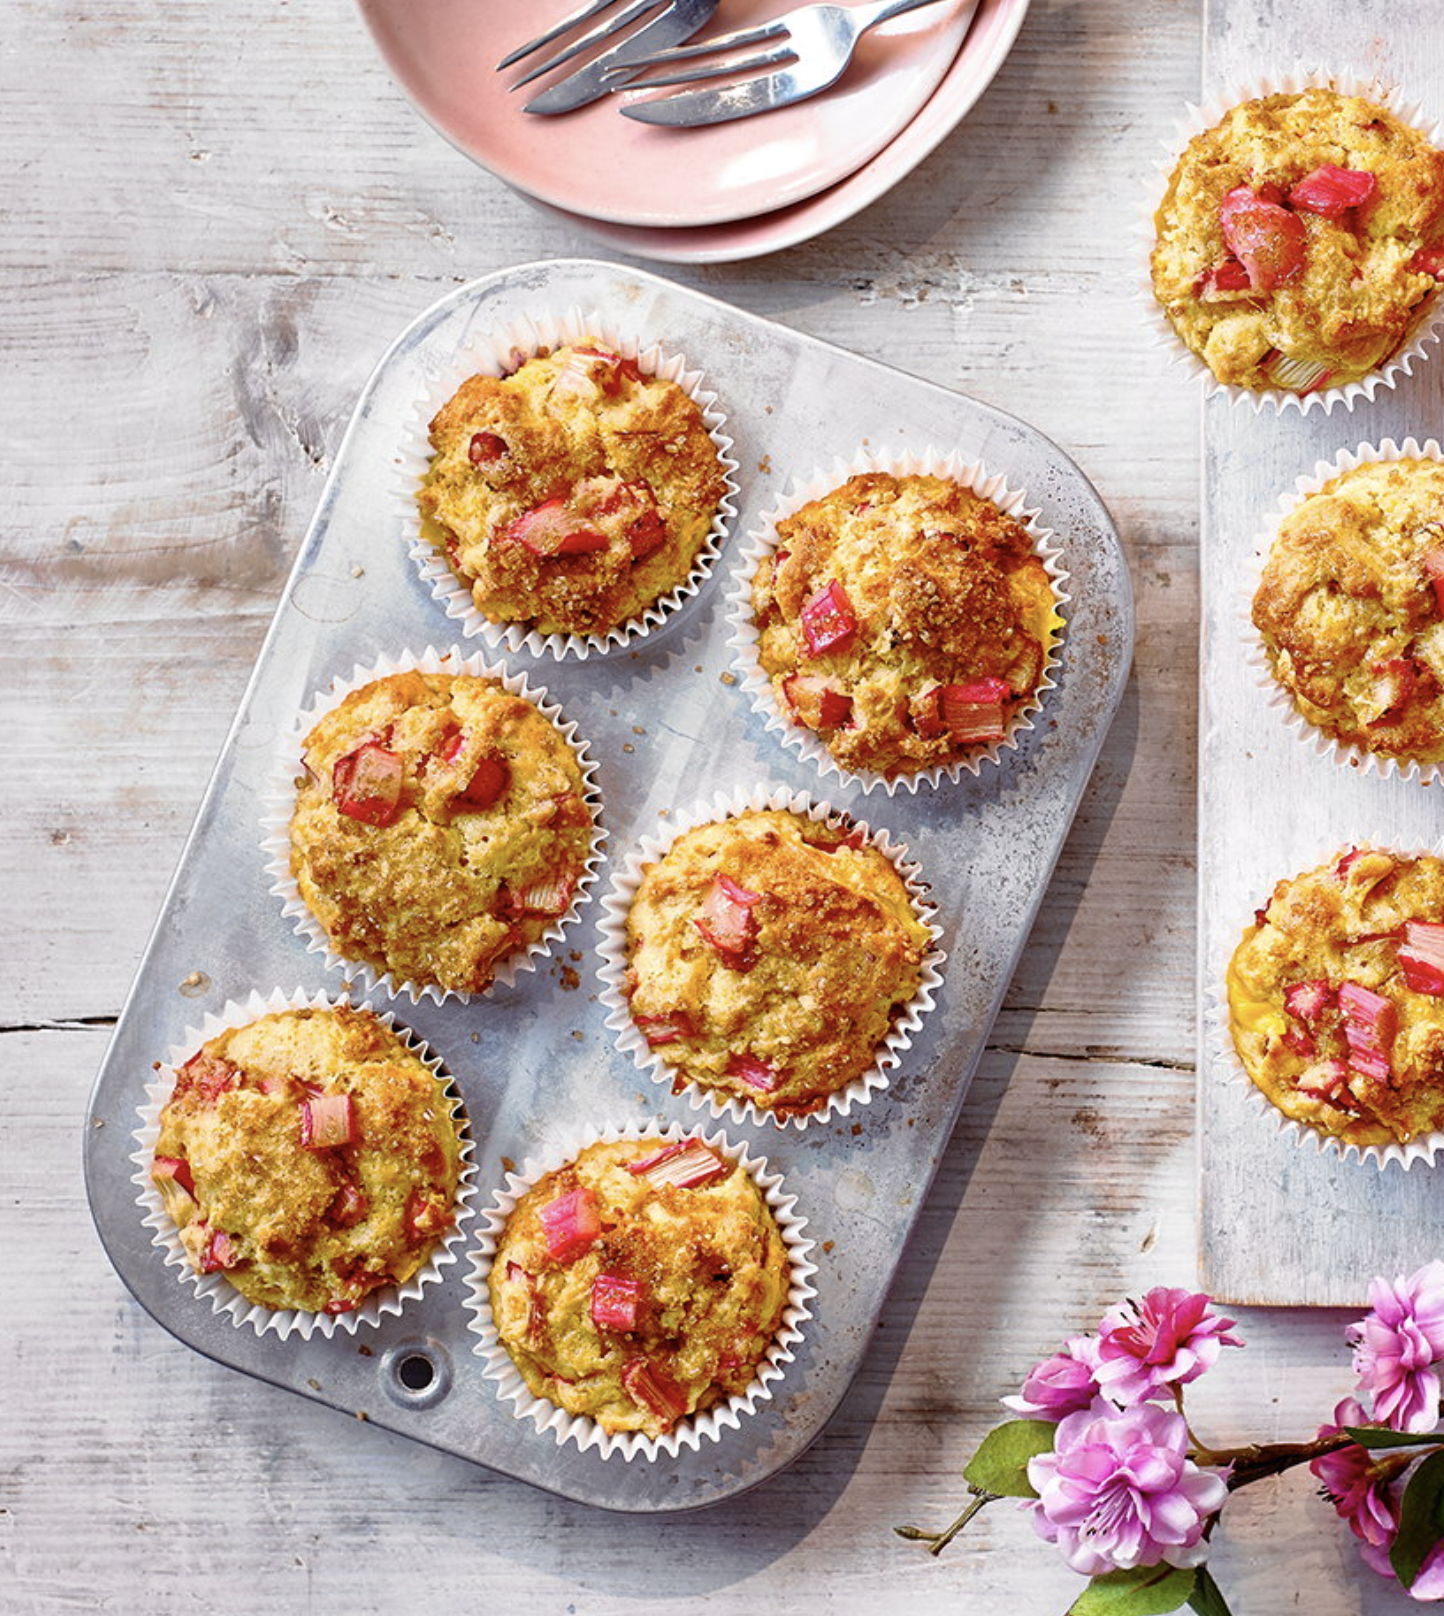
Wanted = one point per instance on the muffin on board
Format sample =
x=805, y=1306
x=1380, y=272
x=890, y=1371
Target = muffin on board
x=572, y=494
x=768, y=956
x=904, y=619
x=641, y=1283
x=1350, y=608
x=1300, y=240
x=1336, y=998
x=310, y=1158
x=441, y=827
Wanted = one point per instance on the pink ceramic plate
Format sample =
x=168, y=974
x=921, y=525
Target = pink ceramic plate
x=972, y=70
x=599, y=164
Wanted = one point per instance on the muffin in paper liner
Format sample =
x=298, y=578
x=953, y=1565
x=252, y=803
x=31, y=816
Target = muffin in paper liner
x=224, y=1298
x=710, y=1423
x=1277, y=695
x=1424, y=329
x=617, y=903
x=761, y=541
x=280, y=798
x=1226, y=1065
x=498, y=353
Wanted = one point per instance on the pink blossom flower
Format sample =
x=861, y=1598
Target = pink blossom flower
x=1353, y=1484
x=1059, y=1385
x=1119, y=1490
x=1398, y=1347
x=1169, y=1338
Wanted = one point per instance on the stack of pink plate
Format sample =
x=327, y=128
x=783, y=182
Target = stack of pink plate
x=735, y=190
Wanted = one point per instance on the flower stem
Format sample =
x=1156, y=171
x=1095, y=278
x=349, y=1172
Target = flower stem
x=1260, y=1459
x=937, y=1542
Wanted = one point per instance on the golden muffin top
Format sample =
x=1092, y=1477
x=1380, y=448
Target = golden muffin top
x=573, y=493
x=905, y=619
x=640, y=1283
x=310, y=1157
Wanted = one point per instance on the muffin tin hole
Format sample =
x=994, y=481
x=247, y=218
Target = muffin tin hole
x=417, y=1374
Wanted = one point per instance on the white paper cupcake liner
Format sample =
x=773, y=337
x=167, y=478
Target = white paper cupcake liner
x=762, y=541
x=279, y=802
x=691, y=1433
x=1196, y=120
x=1275, y=694
x=498, y=353
x=223, y=1297
x=613, y=942
x=1224, y=1063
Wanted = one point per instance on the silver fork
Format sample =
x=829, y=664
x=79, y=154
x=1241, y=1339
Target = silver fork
x=674, y=20
x=819, y=38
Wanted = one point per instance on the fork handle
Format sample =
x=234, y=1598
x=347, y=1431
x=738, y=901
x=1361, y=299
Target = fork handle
x=868, y=16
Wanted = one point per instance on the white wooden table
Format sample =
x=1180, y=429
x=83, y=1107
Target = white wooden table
x=215, y=217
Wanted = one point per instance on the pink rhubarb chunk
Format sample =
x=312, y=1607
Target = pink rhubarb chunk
x=615, y=1302
x=1370, y=1024
x=828, y=619
x=219, y=1252
x=666, y=1028
x=754, y=1072
x=816, y=701
x=550, y=529
x=1434, y=572
x=1421, y=956
x=366, y=784
x=486, y=448
x=348, y=1206
x=1332, y=191
x=570, y=1223
x=649, y=1387
x=328, y=1120
x=1265, y=237
x=552, y=895
x=684, y=1164
x=1223, y=281
x=1308, y=1000
x=727, y=921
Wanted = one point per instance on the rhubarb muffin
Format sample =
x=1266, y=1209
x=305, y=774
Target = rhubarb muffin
x=441, y=826
x=572, y=494
x=310, y=1157
x=1336, y=998
x=768, y=957
x=641, y=1283
x=1351, y=608
x=1300, y=240
x=906, y=620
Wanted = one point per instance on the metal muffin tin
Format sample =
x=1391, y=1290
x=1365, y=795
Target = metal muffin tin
x=669, y=725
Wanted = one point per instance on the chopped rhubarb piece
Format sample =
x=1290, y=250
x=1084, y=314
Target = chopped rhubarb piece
x=1421, y=955
x=1332, y=191
x=571, y=812
x=549, y=895
x=348, y=1206
x=684, y=1165
x=570, y=1223
x=1347, y=862
x=1370, y=1024
x=1300, y=1042
x=173, y=1170
x=649, y=1387
x=366, y=784
x=727, y=921
x=926, y=710
x=1308, y=1000
x=647, y=533
x=550, y=529
x=487, y=785
x=1301, y=376
x=1429, y=261
x=1027, y=666
x=1266, y=238
x=1324, y=1078
x=1434, y=572
x=828, y=619
x=1371, y=1063
x=756, y=1073
x=218, y=1252
x=816, y=701
x=426, y=1215
x=615, y=1302
x=328, y=1120
x=969, y=716
x=1223, y=281
x=209, y=1076
x=615, y=363
x=485, y=449
x=1398, y=679
x=341, y=1304
x=665, y=1029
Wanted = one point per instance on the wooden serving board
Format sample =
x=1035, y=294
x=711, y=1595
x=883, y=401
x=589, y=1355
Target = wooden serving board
x=1279, y=1223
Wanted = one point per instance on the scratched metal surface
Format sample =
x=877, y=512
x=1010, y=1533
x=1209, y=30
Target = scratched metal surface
x=534, y=1062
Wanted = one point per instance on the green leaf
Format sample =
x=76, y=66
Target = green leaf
x=1001, y=1464
x=1421, y=1519
x=1207, y=1598
x=1143, y=1591
x=1373, y=1436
